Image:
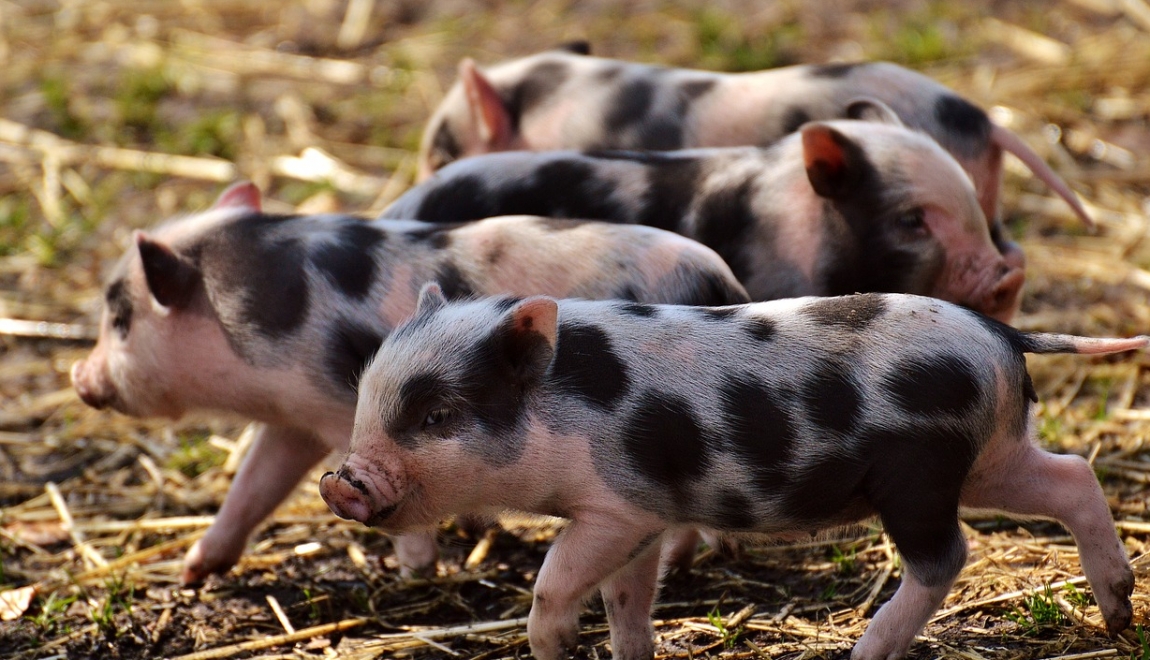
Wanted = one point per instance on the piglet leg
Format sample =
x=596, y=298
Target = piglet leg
x=277, y=461
x=1027, y=481
x=628, y=596
x=585, y=554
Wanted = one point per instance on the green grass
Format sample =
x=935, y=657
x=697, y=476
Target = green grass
x=1038, y=611
x=724, y=44
x=52, y=611
x=196, y=455
x=729, y=637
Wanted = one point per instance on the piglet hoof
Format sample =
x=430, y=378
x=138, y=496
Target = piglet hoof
x=1120, y=616
x=199, y=564
x=417, y=553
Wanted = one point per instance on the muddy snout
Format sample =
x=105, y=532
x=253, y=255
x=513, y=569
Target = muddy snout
x=93, y=390
x=353, y=498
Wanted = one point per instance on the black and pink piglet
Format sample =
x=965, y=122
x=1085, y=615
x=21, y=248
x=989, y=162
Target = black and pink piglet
x=635, y=421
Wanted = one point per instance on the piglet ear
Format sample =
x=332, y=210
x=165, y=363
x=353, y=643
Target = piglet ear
x=834, y=162
x=430, y=299
x=241, y=195
x=529, y=337
x=872, y=109
x=172, y=280
x=490, y=117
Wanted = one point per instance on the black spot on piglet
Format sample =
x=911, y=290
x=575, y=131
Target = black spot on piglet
x=349, y=348
x=934, y=384
x=587, y=366
x=849, y=312
x=663, y=442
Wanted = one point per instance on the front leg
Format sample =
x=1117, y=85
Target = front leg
x=628, y=596
x=278, y=459
x=585, y=554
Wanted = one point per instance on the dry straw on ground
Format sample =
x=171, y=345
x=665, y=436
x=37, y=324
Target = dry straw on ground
x=118, y=114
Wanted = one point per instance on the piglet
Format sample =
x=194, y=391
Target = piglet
x=781, y=417
x=562, y=99
x=272, y=317
x=840, y=207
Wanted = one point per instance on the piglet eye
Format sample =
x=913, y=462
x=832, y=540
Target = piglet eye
x=912, y=220
x=436, y=417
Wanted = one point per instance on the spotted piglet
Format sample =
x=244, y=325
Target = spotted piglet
x=841, y=207
x=782, y=417
x=272, y=317
x=566, y=100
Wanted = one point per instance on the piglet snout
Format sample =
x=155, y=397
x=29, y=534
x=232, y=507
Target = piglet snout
x=351, y=496
x=94, y=391
x=1003, y=299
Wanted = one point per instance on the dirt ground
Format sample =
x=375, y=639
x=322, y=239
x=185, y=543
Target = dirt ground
x=117, y=115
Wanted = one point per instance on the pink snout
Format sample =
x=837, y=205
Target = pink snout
x=1005, y=296
x=94, y=389
x=352, y=498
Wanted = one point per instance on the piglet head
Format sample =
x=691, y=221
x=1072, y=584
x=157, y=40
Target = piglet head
x=154, y=331
x=473, y=119
x=445, y=398
x=912, y=215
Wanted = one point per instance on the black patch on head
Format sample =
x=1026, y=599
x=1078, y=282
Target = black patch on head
x=735, y=511
x=960, y=117
x=119, y=304
x=831, y=397
x=452, y=282
x=726, y=223
x=760, y=429
x=348, y=260
x=760, y=329
x=247, y=261
x=795, y=118
x=536, y=86
x=933, y=385
x=497, y=375
x=418, y=396
x=348, y=349
x=663, y=442
x=672, y=182
x=638, y=309
x=444, y=147
x=833, y=70
x=587, y=366
x=693, y=89
x=848, y=312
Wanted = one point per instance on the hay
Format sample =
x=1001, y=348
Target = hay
x=119, y=114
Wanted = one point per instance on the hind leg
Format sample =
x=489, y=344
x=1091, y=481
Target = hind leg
x=934, y=552
x=1027, y=481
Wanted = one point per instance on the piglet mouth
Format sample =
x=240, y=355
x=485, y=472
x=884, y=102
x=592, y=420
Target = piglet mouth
x=352, y=499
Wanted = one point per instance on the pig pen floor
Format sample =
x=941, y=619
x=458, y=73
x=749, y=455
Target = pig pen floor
x=321, y=104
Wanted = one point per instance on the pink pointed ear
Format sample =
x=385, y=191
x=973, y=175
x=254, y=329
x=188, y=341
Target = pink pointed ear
x=172, y=280
x=243, y=194
x=490, y=117
x=834, y=163
x=431, y=298
x=529, y=338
